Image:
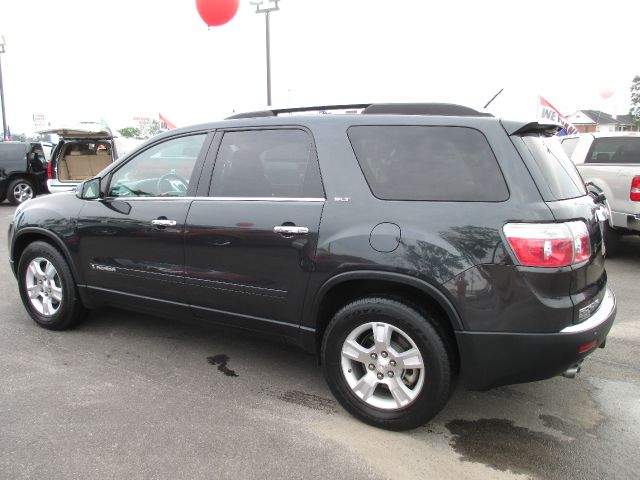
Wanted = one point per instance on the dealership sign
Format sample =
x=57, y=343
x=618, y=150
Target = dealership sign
x=39, y=121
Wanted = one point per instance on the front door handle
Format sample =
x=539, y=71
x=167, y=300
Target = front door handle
x=290, y=230
x=163, y=222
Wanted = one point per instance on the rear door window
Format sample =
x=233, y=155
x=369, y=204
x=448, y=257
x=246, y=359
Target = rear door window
x=428, y=163
x=615, y=150
x=558, y=172
x=267, y=163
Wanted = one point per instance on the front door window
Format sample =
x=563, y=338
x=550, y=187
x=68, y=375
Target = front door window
x=163, y=170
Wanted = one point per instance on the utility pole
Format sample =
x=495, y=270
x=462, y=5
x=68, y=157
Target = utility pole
x=267, y=11
x=4, y=117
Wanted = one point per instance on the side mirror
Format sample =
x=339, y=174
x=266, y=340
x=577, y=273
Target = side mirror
x=89, y=190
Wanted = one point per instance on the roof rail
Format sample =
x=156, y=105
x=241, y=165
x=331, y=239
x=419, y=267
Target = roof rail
x=442, y=109
x=279, y=111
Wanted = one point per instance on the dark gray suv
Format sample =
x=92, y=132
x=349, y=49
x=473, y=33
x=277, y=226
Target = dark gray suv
x=409, y=246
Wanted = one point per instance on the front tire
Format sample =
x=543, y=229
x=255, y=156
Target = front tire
x=387, y=364
x=47, y=288
x=20, y=190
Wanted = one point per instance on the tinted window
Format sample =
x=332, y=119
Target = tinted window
x=428, y=163
x=569, y=145
x=267, y=163
x=12, y=152
x=162, y=170
x=557, y=170
x=615, y=150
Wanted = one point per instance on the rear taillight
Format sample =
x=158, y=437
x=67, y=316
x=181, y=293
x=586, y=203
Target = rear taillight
x=50, y=172
x=634, y=195
x=549, y=244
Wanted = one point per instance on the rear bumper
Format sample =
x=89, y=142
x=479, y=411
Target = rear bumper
x=625, y=220
x=54, y=186
x=490, y=359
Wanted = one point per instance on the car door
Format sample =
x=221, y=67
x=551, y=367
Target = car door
x=131, y=241
x=250, y=244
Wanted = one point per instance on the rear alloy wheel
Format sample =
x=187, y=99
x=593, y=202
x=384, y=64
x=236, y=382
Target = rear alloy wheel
x=386, y=363
x=20, y=190
x=47, y=288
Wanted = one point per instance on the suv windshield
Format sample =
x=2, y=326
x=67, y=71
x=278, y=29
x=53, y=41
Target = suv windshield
x=615, y=150
x=558, y=171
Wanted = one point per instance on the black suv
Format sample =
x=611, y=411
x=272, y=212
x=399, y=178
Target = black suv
x=22, y=170
x=409, y=246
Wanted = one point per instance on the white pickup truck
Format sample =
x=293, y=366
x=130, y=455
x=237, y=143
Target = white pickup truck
x=609, y=163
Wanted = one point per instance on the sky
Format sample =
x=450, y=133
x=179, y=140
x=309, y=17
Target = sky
x=83, y=60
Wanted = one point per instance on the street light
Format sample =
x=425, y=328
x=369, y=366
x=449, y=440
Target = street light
x=4, y=118
x=266, y=11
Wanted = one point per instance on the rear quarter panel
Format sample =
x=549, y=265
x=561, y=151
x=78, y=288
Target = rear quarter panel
x=439, y=240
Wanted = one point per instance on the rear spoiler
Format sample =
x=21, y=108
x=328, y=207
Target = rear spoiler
x=523, y=128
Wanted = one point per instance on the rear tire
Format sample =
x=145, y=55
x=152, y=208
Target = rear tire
x=20, y=190
x=47, y=288
x=386, y=363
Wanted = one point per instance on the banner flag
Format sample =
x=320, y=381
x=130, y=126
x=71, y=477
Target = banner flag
x=165, y=124
x=548, y=112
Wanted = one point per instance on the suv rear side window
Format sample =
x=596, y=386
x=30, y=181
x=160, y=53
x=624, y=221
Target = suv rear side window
x=267, y=163
x=428, y=163
x=558, y=171
x=615, y=150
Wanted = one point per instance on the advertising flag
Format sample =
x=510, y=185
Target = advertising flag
x=165, y=124
x=548, y=112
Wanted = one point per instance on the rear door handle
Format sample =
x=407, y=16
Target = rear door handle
x=291, y=230
x=163, y=222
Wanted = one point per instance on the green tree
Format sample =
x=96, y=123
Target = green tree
x=635, y=99
x=151, y=129
x=130, y=132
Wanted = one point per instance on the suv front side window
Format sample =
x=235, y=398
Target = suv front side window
x=267, y=163
x=163, y=170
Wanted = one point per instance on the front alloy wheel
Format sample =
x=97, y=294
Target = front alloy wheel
x=44, y=286
x=47, y=288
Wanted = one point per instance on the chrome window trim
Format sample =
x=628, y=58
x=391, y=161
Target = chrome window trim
x=263, y=199
x=221, y=199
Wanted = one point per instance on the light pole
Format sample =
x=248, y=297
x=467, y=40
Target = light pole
x=266, y=11
x=4, y=117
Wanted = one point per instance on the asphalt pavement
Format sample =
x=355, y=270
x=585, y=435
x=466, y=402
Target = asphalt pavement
x=131, y=396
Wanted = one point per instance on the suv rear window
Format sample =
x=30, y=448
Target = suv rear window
x=615, y=150
x=558, y=171
x=428, y=163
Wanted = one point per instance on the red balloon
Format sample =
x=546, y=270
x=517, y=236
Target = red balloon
x=605, y=93
x=217, y=12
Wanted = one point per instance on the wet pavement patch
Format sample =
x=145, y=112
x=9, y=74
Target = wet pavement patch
x=500, y=444
x=221, y=361
x=308, y=400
